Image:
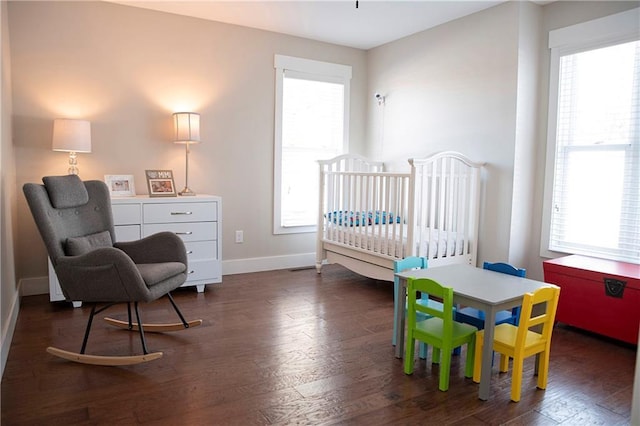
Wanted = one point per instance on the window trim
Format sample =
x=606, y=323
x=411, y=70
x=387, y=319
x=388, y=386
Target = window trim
x=315, y=70
x=607, y=31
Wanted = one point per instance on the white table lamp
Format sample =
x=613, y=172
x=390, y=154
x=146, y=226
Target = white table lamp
x=71, y=136
x=187, y=131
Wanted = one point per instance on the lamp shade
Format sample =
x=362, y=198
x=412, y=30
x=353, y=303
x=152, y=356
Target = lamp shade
x=71, y=135
x=187, y=127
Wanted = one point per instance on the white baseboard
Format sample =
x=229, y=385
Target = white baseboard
x=7, y=331
x=258, y=264
x=33, y=286
x=40, y=285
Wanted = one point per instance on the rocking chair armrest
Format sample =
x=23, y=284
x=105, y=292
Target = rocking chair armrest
x=97, y=257
x=157, y=248
x=103, y=275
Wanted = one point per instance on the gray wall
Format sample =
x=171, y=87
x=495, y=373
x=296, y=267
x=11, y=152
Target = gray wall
x=455, y=88
x=479, y=85
x=126, y=70
x=9, y=303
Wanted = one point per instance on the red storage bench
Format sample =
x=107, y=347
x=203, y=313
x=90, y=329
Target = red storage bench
x=602, y=296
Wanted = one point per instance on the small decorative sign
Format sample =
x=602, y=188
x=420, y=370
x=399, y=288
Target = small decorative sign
x=120, y=185
x=160, y=183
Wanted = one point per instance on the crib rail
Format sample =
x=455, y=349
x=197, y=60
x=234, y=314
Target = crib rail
x=376, y=217
x=366, y=211
x=350, y=163
x=445, y=195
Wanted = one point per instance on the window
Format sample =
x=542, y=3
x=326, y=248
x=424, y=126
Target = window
x=312, y=109
x=592, y=197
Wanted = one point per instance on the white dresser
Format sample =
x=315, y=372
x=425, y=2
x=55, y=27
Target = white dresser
x=197, y=220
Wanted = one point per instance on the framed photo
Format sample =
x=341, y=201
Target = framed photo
x=160, y=183
x=120, y=185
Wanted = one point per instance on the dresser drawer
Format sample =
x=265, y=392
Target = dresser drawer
x=127, y=232
x=201, y=231
x=126, y=214
x=203, y=270
x=201, y=250
x=180, y=212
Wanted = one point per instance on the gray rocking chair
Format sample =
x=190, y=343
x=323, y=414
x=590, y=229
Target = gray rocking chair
x=75, y=221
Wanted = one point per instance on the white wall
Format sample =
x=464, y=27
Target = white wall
x=127, y=70
x=9, y=303
x=454, y=87
x=526, y=137
x=479, y=85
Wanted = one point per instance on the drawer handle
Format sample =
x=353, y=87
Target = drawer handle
x=191, y=272
x=184, y=233
x=190, y=252
x=178, y=213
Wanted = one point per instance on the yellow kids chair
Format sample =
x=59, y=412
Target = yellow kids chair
x=519, y=342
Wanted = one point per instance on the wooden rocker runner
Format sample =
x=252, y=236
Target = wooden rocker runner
x=75, y=221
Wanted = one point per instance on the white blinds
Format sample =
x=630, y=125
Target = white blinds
x=596, y=189
x=312, y=129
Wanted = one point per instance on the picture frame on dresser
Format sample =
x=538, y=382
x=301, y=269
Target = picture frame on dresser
x=120, y=185
x=160, y=183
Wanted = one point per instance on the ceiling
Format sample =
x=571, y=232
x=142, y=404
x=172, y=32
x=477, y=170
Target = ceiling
x=371, y=24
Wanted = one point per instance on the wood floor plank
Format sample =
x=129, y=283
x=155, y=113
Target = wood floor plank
x=288, y=347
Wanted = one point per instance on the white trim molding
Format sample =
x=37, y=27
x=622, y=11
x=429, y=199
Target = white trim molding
x=8, y=330
x=259, y=264
x=306, y=69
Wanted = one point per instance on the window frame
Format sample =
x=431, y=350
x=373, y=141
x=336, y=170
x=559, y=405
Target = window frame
x=599, y=33
x=316, y=71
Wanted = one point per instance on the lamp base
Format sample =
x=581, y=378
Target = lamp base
x=73, y=163
x=186, y=192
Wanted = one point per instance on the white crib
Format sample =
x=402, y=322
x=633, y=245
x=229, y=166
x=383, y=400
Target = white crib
x=368, y=218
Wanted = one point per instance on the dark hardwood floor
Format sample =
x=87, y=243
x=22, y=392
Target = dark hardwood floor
x=288, y=347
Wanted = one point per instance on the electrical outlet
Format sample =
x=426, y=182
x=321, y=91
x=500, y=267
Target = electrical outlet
x=239, y=236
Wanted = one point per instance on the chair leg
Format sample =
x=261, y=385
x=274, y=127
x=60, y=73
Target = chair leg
x=129, y=315
x=543, y=369
x=173, y=303
x=140, y=329
x=470, y=361
x=436, y=355
x=445, y=368
x=516, y=378
x=83, y=358
x=88, y=329
x=408, y=356
x=477, y=359
x=395, y=313
x=504, y=363
x=422, y=349
x=94, y=311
